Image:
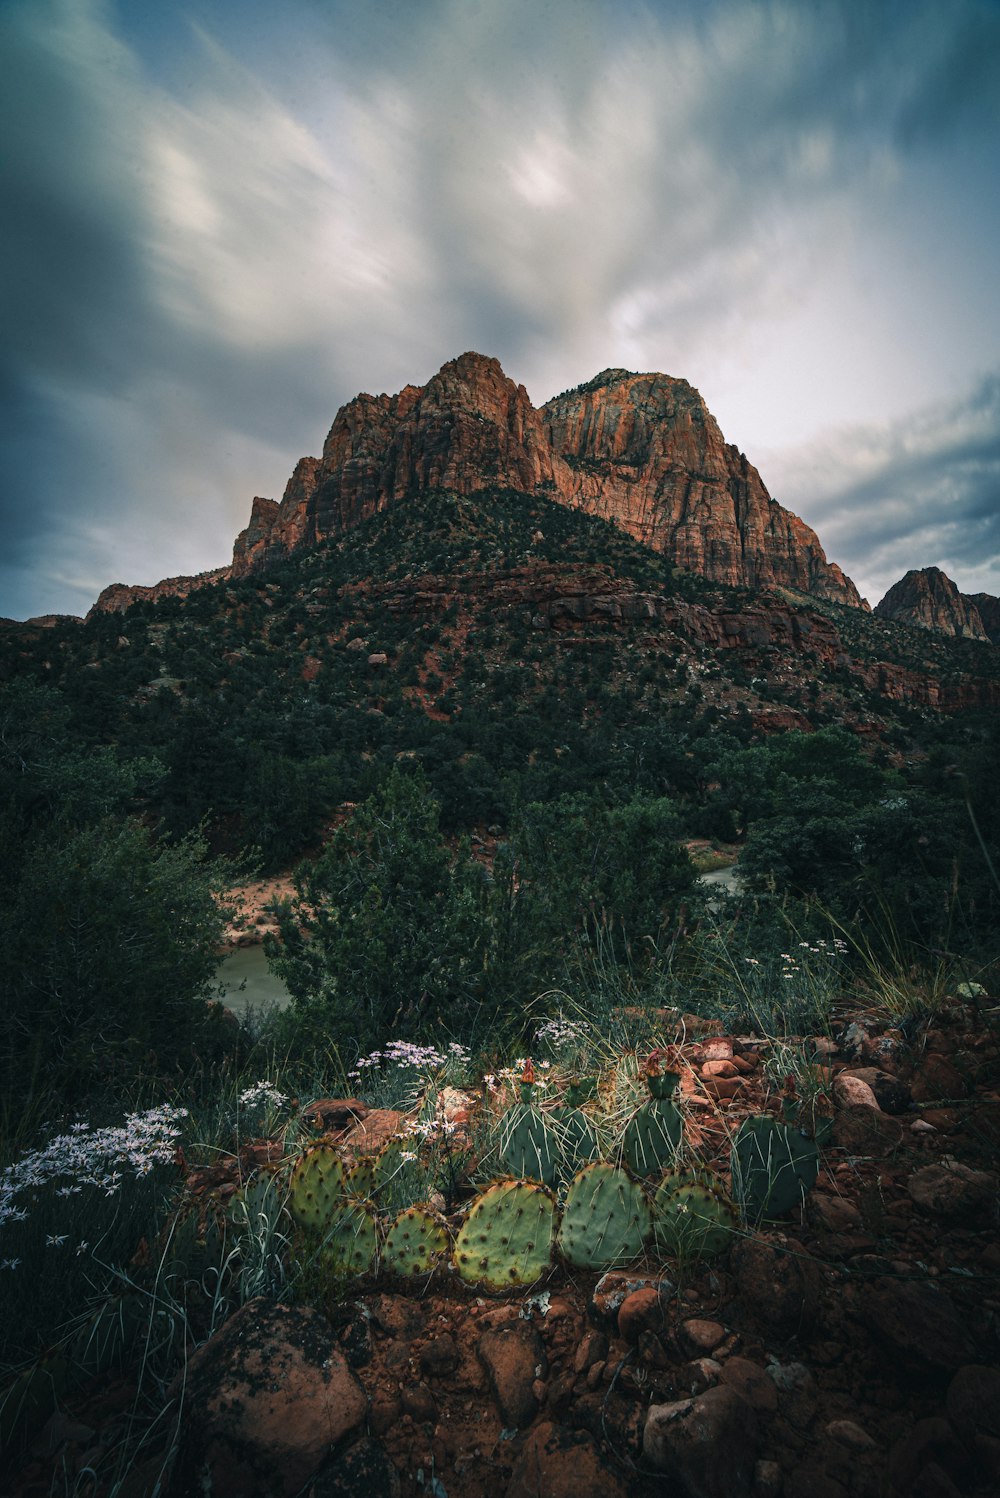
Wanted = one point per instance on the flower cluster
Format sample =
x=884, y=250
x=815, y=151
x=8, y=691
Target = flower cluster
x=92, y=1157
x=561, y=1034
x=406, y=1053
x=263, y=1094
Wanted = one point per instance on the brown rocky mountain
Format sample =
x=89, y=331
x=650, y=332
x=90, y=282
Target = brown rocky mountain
x=989, y=613
x=640, y=450
x=928, y=598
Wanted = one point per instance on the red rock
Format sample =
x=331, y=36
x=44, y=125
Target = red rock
x=643, y=1310
x=265, y=1399
x=852, y=1092
x=928, y=598
x=593, y=1348
x=364, y=1467
x=917, y=1321
x=707, y=1444
x=891, y=1095
x=514, y=1357
x=950, y=1189
x=779, y=1286
x=751, y=1382
x=936, y=1079
x=719, y=1069
x=375, y=1129
x=561, y=1463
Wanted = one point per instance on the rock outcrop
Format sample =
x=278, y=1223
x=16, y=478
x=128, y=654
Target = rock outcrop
x=117, y=597
x=928, y=598
x=989, y=612
x=640, y=450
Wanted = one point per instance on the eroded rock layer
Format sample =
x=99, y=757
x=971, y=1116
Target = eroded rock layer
x=640, y=450
x=928, y=598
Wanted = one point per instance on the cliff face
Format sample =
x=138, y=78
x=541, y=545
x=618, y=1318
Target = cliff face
x=645, y=452
x=988, y=608
x=640, y=450
x=928, y=598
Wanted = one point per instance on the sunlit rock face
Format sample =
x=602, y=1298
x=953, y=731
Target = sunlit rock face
x=642, y=451
x=927, y=597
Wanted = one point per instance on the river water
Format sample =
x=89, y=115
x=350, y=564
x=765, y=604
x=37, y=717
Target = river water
x=249, y=983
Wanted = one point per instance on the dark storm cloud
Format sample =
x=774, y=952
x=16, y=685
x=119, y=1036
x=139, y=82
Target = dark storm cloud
x=921, y=492
x=215, y=233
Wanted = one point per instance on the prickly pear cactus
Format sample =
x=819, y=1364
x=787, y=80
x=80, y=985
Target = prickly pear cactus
x=576, y=1139
x=315, y=1186
x=360, y=1180
x=351, y=1241
x=652, y=1137
x=773, y=1166
x=506, y=1238
x=528, y=1146
x=653, y=1134
x=606, y=1219
x=415, y=1243
x=693, y=1216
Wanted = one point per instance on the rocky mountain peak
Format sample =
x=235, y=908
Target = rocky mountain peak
x=640, y=450
x=927, y=598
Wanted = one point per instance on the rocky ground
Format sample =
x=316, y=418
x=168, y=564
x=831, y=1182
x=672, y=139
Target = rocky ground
x=852, y=1351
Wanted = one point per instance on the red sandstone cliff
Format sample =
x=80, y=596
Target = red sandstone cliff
x=929, y=599
x=643, y=451
x=640, y=450
x=117, y=597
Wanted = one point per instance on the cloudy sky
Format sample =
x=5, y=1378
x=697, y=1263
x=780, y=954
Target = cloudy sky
x=222, y=219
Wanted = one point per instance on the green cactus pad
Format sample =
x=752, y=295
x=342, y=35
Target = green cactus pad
x=693, y=1216
x=606, y=1219
x=652, y=1137
x=360, y=1180
x=576, y=1139
x=351, y=1241
x=316, y=1184
x=506, y=1238
x=528, y=1147
x=773, y=1166
x=415, y=1243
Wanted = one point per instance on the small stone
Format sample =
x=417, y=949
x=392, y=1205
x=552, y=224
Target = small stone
x=950, y=1189
x=364, y=1468
x=707, y=1444
x=767, y=1480
x=385, y=1411
x=702, y=1336
x=851, y=1092
x=752, y=1383
x=419, y=1403
x=440, y=1357
x=511, y=1355
x=864, y=1130
x=848, y=1434
x=724, y=1089
x=717, y=1048
x=643, y=1310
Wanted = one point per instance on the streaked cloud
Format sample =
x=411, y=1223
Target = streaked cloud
x=218, y=229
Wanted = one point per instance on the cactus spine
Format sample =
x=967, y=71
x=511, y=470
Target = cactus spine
x=351, y=1241
x=606, y=1219
x=506, y=1238
x=527, y=1145
x=773, y=1166
x=653, y=1134
x=692, y=1216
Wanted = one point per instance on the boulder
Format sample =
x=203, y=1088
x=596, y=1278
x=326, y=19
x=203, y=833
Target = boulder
x=708, y=1445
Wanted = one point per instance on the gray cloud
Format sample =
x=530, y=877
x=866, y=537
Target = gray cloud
x=921, y=492
x=214, y=236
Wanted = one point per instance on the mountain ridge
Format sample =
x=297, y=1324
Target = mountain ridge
x=640, y=450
